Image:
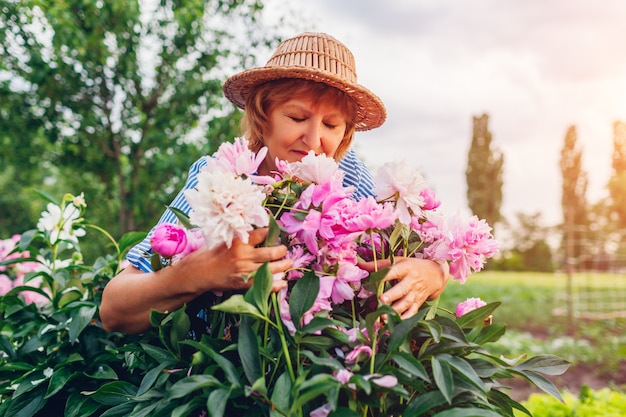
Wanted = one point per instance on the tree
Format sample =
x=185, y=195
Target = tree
x=573, y=197
x=617, y=182
x=484, y=173
x=116, y=98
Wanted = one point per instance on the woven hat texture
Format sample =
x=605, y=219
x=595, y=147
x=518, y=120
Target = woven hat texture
x=317, y=57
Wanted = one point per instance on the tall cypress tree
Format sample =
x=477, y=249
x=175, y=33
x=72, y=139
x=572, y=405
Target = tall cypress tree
x=573, y=197
x=484, y=173
x=617, y=182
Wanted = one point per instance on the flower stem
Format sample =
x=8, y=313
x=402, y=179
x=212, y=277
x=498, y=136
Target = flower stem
x=283, y=341
x=108, y=235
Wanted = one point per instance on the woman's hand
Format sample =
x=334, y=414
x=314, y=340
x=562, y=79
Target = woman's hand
x=414, y=282
x=231, y=267
x=130, y=296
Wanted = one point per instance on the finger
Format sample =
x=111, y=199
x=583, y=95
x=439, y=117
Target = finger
x=257, y=236
x=372, y=266
x=396, y=292
x=272, y=253
x=410, y=312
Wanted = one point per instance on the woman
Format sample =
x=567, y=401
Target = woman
x=305, y=98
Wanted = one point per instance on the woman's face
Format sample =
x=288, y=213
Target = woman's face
x=300, y=125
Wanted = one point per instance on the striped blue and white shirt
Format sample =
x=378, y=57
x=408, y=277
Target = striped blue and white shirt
x=356, y=175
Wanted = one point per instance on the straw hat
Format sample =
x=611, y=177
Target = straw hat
x=317, y=57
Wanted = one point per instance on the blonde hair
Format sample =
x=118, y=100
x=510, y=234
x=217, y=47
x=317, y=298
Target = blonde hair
x=261, y=102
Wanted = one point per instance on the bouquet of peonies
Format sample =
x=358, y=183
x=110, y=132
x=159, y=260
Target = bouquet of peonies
x=325, y=344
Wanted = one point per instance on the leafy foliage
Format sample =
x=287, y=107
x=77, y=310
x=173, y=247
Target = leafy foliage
x=58, y=359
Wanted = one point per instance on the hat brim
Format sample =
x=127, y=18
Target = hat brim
x=371, y=111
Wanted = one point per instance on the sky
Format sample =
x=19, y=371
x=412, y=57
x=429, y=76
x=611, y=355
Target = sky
x=535, y=67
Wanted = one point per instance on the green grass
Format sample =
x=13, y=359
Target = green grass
x=534, y=307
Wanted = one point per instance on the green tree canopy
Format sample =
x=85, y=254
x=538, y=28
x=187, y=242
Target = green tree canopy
x=484, y=173
x=116, y=98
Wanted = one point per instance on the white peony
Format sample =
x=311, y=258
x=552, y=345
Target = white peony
x=60, y=225
x=318, y=169
x=225, y=207
x=403, y=184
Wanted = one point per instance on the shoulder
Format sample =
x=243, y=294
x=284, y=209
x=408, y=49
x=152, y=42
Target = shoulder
x=357, y=175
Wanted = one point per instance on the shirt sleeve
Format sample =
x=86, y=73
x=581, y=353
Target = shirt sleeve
x=357, y=175
x=139, y=255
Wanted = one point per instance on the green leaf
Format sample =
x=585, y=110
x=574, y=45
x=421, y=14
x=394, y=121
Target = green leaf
x=312, y=388
x=411, y=365
x=467, y=412
x=232, y=376
x=185, y=409
x=377, y=279
x=303, y=296
x=114, y=393
x=120, y=410
x=190, y=384
x=151, y=376
x=477, y=317
x=130, y=239
x=155, y=262
x=104, y=371
x=443, y=378
x=80, y=319
x=273, y=233
x=541, y=382
x=323, y=323
x=465, y=370
x=216, y=402
x=281, y=395
x=26, y=405
x=424, y=403
x=258, y=295
x=487, y=334
x=59, y=378
x=182, y=217
x=545, y=364
x=78, y=405
x=331, y=363
x=236, y=304
x=401, y=332
x=157, y=353
x=248, y=349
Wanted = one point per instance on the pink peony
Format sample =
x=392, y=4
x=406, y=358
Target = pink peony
x=195, y=241
x=322, y=411
x=468, y=305
x=168, y=240
x=465, y=242
x=237, y=158
x=360, y=352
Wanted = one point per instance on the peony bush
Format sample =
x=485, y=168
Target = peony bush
x=320, y=348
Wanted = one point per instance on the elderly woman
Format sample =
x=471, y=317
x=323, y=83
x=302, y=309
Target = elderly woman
x=306, y=98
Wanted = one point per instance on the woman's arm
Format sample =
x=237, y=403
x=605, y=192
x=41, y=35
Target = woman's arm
x=130, y=296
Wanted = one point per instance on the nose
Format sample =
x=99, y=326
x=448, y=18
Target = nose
x=313, y=136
